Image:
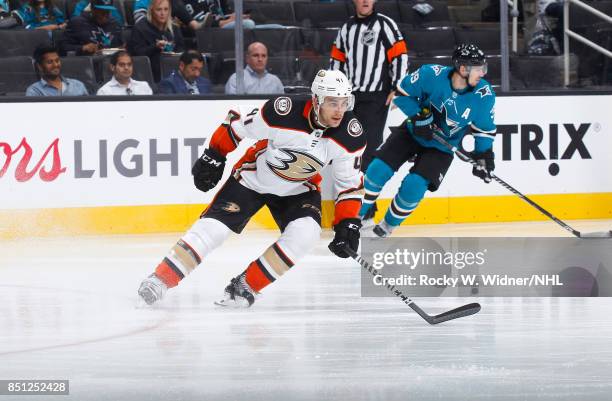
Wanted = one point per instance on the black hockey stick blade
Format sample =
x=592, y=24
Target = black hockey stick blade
x=598, y=234
x=462, y=311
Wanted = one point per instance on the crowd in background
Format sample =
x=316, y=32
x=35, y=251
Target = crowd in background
x=157, y=29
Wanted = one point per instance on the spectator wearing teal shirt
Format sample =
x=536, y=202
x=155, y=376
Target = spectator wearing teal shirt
x=84, y=5
x=40, y=14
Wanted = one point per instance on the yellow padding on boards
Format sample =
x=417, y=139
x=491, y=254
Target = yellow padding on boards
x=177, y=218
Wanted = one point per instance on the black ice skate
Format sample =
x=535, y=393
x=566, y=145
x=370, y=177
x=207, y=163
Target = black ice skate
x=382, y=229
x=238, y=294
x=152, y=289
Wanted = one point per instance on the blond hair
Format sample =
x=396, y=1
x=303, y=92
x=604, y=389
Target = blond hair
x=152, y=4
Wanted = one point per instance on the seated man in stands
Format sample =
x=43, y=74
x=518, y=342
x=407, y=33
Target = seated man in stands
x=90, y=32
x=122, y=83
x=187, y=80
x=257, y=80
x=52, y=82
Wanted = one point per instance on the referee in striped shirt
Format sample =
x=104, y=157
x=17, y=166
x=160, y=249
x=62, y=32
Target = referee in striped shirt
x=372, y=53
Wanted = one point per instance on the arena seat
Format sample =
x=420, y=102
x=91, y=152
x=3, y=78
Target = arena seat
x=439, y=16
x=388, y=8
x=488, y=40
x=21, y=42
x=16, y=74
x=218, y=40
x=430, y=42
x=321, y=15
x=280, y=42
x=286, y=68
x=81, y=68
x=271, y=13
x=319, y=40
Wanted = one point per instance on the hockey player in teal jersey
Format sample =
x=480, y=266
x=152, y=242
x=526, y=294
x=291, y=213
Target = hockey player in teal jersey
x=450, y=101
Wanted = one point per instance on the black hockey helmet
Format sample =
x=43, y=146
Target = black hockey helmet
x=468, y=55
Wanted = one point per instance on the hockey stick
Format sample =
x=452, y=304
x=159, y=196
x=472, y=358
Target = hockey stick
x=467, y=158
x=462, y=311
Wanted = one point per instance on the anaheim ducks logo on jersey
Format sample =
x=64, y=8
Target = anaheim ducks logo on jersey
x=298, y=166
x=231, y=207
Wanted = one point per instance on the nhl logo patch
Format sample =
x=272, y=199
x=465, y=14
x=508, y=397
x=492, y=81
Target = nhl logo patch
x=354, y=127
x=282, y=105
x=367, y=37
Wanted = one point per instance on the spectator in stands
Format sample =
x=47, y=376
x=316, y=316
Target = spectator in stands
x=52, y=82
x=89, y=33
x=179, y=10
x=6, y=19
x=216, y=13
x=40, y=14
x=84, y=5
x=4, y=6
x=547, y=38
x=122, y=83
x=187, y=80
x=155, y=35
x=257, y=80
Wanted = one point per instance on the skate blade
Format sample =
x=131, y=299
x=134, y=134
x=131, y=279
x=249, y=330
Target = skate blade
x=367, y=224
x=369, y=233
x=141, y=304
x=232, y=304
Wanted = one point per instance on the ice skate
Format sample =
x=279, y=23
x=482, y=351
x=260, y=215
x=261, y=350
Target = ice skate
x=382, y=230
x=367, y=223
x=152, y=289
x=238, y=294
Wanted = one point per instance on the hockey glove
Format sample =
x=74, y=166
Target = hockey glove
x=486, y=164
x=347, y=234
x=208, y=169
x=424, y=125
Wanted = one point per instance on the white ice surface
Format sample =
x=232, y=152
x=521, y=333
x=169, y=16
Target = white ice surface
x=67, y=311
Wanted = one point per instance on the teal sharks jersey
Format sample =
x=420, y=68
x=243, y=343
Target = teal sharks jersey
x=454, y=111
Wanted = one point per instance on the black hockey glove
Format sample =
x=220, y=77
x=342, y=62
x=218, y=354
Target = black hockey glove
x=486, y=164
x=424, y=125
x=208, y=169
x=347, y=234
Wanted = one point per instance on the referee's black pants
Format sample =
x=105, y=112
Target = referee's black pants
x=371, y=111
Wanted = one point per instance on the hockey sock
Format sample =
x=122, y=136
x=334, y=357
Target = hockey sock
x=204, y=236
x=377, y=175
x=296, y=241
x=406, y=200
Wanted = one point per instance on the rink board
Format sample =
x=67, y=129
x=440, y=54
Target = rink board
x=124, y=167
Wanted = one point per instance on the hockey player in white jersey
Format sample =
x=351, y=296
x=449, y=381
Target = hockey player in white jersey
x=296, y=138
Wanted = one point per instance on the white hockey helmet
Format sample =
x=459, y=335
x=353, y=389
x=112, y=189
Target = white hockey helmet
x=332, y=83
